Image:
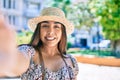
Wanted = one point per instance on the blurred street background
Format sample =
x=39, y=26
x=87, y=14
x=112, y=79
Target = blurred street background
x=96, y=34
x=95, y=72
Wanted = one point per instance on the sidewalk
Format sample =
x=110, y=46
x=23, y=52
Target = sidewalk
x=95, y=72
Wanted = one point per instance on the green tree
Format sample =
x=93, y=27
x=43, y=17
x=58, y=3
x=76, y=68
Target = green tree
x=109, y=13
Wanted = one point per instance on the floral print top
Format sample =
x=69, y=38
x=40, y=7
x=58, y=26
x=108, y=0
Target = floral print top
x=34, y=71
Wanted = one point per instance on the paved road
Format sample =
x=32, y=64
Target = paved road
x=95, y=72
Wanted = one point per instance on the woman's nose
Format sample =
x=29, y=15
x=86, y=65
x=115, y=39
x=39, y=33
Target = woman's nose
x=51, y=30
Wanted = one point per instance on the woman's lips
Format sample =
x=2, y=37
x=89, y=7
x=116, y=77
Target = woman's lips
x=50, y=38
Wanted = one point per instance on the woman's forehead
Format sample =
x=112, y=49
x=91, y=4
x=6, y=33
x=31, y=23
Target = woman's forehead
x=48, y=22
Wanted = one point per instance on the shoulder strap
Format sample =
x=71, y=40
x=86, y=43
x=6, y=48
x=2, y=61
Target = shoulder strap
x=67, y=67
x=31, y=61
x=42, y=65
x=72, y=60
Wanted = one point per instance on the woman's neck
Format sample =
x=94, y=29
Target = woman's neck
x=50, y=51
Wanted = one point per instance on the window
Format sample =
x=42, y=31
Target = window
x=9, y=4
x=33, y=6
x=13, y=4
x=4, y=3
x=12, y=19
x=9, y=17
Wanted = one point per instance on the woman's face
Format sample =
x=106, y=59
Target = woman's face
x=50, y=33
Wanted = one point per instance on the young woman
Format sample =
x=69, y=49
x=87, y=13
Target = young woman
x=47, y=49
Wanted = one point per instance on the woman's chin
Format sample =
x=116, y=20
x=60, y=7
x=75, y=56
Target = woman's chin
x=50, y=45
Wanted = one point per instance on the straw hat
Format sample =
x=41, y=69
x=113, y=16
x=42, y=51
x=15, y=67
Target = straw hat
x=51, y=14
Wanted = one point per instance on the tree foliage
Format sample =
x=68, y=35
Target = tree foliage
x=109, y=13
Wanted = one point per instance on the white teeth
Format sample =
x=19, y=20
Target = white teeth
x=50, y=38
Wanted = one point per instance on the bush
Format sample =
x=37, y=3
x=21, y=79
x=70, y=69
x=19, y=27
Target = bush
x=23, y=37
x=69, y=45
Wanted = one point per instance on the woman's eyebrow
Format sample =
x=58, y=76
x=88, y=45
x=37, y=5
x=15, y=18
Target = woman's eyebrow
x=57, y=23
x=48, y=22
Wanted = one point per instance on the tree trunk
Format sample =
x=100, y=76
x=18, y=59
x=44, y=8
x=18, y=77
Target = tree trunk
x=116, y=48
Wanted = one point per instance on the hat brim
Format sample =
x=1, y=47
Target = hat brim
x=32, y=23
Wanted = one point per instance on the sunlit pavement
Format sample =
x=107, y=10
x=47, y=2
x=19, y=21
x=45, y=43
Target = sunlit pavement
x=95, y=72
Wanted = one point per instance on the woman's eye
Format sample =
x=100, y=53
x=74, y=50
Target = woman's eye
x=58, y=27
x=45, y=26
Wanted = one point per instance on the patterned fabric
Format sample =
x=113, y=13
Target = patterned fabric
x=28, y=51
x=34, y=72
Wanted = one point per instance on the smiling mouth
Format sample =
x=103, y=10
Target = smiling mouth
x=50, y=38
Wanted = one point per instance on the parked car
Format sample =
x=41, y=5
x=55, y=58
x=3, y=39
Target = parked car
x=102, y=45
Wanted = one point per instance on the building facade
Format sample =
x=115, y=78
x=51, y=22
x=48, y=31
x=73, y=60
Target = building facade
x=18, y=12
x=88, y=39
